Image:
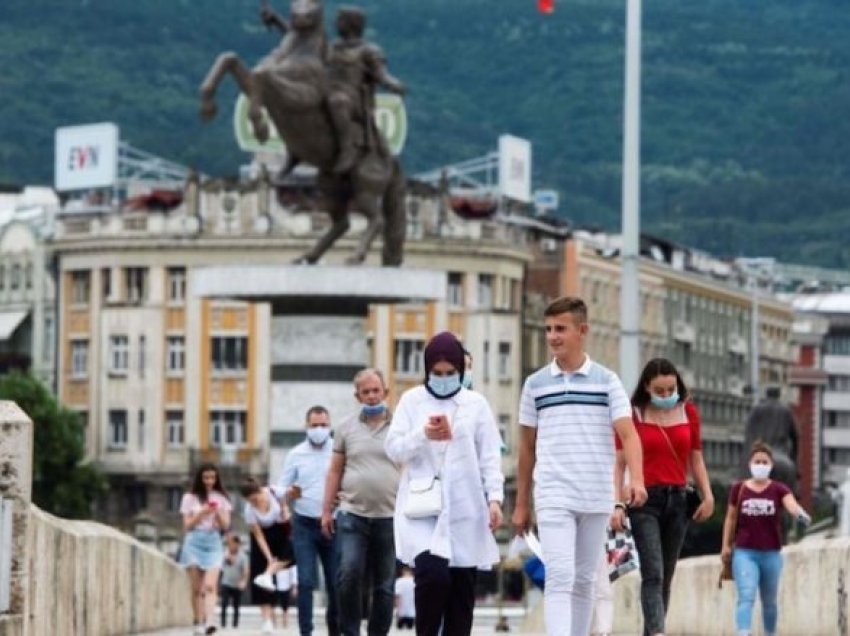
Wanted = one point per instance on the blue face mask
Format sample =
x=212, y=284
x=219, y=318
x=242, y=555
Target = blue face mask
x=444, y=386
x=467, y=380
x=665, y=402
x=370, y=410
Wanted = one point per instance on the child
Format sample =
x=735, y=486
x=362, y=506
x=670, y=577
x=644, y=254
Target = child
x=234, y=578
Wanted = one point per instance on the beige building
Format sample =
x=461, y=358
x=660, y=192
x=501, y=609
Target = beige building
x=166, y=380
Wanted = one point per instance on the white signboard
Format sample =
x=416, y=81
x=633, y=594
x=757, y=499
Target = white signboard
x=515, y=168
x=86, y=156
x=546, y=199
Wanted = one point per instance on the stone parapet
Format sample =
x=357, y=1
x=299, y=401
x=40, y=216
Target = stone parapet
x=88, y=579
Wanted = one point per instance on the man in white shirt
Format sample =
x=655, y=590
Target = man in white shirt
x=304, y=473
x=569, y=412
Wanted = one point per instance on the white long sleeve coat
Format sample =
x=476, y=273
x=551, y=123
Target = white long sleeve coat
x=471, y=477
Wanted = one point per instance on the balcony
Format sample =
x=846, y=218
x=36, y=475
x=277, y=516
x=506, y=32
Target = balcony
x=836, y=401
x=234, y=462
x=837, y=365
x=684, y=332
x=737, y=344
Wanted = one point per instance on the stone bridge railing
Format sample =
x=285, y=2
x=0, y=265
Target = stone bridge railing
x=76, y=578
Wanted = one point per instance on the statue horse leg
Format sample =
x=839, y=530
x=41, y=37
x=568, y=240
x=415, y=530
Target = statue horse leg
x=338, y=201
x=230, y=63
x=395, y=218
x=367, y=203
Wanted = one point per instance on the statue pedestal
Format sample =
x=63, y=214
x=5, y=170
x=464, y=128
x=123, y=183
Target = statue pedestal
x=317, y=333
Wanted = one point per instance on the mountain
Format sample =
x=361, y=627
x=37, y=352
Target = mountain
x=745, y=131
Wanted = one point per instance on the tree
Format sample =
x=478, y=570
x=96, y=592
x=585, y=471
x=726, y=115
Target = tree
x=63, y=483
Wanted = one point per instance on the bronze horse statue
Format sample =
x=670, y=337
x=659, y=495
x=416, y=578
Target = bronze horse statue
x=291, y=83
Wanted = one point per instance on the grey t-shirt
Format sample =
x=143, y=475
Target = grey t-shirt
x=369, y=479
x=232, y=572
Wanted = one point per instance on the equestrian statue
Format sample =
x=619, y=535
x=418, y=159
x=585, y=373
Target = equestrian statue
x=321, y=98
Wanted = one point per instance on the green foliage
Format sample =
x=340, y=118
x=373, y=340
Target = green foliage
x=745, y=138
x=63, y=484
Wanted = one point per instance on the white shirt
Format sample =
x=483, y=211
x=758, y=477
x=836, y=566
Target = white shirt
x=471, y=477
x=307, y=466
x=404, y=590
x=269, y=517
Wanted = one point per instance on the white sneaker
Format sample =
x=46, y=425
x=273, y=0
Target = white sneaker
x=268, y=627
x=265, y=581
x=199, y=629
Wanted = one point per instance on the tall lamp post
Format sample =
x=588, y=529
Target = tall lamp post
x=630, y=250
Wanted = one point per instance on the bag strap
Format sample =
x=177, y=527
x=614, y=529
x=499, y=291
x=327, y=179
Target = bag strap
x=742, y=485
x=439, y=470
x=670, y=444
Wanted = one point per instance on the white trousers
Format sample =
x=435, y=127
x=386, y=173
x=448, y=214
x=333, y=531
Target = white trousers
x=572, y=543
x=603, y=598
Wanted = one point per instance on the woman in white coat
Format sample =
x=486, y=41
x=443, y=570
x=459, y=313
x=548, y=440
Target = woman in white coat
x=442, y=430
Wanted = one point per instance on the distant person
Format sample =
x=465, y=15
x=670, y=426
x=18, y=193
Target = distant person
x=405, y=602
x=305, y=471
x=363, y=481
x=206, y=514
x=448, y=443
x=271, y=549
x=287, y=590
x=568, y=413
x=773, y=423
x=752, y=539
x=234, y=579
x=668, y=425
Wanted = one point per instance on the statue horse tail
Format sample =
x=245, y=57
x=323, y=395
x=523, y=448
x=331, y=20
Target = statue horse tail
x=395, y=216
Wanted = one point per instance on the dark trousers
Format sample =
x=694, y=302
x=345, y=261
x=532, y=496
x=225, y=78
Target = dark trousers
x=659, y=529
x=231, y=595
x=309, y=544
x=367, y=565
x=443, y=596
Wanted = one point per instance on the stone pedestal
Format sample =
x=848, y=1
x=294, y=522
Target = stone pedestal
x=317, y=340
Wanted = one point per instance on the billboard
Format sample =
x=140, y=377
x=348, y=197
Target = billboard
x=390, y=116
x=515, y=168
x=86, y=156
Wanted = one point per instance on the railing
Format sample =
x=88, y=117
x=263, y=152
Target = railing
x=245, y=460
x=5, y=553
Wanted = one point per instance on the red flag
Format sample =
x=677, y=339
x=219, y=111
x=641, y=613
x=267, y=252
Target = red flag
x=546, y=6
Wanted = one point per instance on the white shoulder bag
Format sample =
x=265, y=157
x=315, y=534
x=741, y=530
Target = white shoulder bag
x=425, y=494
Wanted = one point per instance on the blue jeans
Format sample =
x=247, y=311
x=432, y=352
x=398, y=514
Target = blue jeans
x=659, y=528
x=756, y=569
x=308, y=542
x=367, y=564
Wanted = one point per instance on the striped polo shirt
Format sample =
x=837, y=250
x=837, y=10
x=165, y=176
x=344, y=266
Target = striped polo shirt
x=574, y=415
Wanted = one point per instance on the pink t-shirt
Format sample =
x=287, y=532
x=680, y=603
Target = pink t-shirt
x=759, y=516
x=191, y=505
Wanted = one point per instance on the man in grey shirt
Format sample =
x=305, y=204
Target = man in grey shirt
x=363, y=482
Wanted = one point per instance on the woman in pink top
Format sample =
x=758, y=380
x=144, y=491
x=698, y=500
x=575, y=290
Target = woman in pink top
x=206, y=514
x=752, y=525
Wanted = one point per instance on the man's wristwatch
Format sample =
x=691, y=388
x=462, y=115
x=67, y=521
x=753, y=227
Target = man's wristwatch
x=620, y=505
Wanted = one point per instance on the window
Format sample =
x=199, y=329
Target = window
x=173, y=498
x=485, y=291
x=141, y=430
x=485, y=362
x=117, y=429
x=176, y=284
x=83, y=418
x=28, y=275
x=15, y=281
x=175, y=355
x=230, y=353
x=175, y=431
x=136, y=496
x=455, y=290
x=408, y=357
x=119, y=354
x=79, y=358
x=2, y=277
x=106, y=282
x=504, y=360
x=80, y=287
x=227, y=428
x=48, y=338
x=142, y=356
x=136, y=283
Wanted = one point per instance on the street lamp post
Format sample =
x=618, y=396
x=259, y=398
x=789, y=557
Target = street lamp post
x=630, y=250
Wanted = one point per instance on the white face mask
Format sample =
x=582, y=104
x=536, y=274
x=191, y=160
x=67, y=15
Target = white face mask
x=318, y=434
x=760, y=471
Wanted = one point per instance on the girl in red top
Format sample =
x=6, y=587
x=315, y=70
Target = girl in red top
x=752, y=523
x=669, y=429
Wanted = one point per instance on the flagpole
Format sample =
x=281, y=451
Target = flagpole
x=630, y=249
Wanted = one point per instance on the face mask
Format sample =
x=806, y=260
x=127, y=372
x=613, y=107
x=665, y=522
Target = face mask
x=664, y=402
x=760, y=471
x=444, y=386
x=467, y=380
x=318, y=434
x=369, y=410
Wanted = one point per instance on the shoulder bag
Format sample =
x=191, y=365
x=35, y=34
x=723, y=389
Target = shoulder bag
x=425, y=494
x=726, y=573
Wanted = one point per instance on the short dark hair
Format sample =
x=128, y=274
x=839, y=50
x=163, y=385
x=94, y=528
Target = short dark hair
x=761, y=447
x=249, y=486
x=318, y=408
x=654, y=368
x=567, y=305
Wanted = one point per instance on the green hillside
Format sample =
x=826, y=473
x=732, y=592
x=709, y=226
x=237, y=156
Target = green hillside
x=745, y=134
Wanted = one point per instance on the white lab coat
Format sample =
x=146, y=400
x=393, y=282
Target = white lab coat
x=471, y=477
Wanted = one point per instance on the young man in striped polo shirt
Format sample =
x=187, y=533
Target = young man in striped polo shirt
x=568, y=414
